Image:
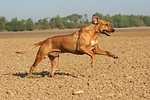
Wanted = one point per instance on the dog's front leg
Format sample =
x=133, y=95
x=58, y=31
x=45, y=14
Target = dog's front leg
x=99, y=51
x=88, y=52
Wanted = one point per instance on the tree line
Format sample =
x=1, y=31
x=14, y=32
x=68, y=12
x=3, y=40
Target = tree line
x=72, y=21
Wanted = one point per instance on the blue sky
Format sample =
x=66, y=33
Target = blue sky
x=39, y=9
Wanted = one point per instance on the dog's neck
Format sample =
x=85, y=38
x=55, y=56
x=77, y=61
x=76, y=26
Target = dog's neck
x=97, y=31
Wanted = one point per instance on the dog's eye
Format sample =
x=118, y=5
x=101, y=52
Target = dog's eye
x=106, y=24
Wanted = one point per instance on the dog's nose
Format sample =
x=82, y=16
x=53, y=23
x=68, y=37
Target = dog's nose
x=113, y=30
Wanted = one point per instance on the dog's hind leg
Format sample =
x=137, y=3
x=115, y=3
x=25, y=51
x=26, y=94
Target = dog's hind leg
x=36, y=62
x=54, y=62
x=40, y=56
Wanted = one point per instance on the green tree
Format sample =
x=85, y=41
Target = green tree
x=133, y=20
x=75, y=18
x=52, y=23
x=79, y=18
x=45, y=23
x=9, y=26
x=146, y=20
x=109, y=19
x=30, y=24
x=12, y=25
x=40, y=24
x=15, y=25
x=85, y=20
x=118, y=20
x=21, y=26
x=59, y=22
x=126, y=21
x=2, y=23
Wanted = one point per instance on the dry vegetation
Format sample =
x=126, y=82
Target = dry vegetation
x=124, y=78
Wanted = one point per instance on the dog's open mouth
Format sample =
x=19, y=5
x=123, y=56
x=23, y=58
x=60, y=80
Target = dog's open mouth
x=106, y=32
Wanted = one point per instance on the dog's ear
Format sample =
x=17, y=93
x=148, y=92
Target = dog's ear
x=95, y=19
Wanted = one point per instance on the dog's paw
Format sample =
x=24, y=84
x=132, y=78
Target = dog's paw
x=116, y=56
x=30, y=76
x=92, y=65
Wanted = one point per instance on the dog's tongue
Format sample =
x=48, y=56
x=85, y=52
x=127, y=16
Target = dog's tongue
x=107, y=33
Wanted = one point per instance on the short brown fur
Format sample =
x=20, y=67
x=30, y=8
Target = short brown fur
x=83, y=41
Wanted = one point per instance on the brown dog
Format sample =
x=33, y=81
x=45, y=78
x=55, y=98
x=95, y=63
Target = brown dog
x=83, y=41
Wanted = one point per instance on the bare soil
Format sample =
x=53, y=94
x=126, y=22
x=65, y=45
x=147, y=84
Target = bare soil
x=125, y=78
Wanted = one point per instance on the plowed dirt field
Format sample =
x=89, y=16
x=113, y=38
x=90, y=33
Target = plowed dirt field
x=126, y=78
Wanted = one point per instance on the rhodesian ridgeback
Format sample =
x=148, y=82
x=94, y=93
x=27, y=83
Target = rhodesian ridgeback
x=83, y=41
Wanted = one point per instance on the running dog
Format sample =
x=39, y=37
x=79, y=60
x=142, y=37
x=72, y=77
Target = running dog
x=83, y=41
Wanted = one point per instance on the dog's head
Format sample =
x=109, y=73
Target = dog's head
x=102, y=26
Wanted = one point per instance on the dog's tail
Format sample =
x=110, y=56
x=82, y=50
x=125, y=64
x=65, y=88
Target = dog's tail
x=35, y=45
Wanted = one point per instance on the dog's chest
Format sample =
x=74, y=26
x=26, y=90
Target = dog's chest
x=94, y=40
x=93, y=43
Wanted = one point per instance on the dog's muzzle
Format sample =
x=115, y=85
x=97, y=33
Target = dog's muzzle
x=113, y=30
x=107, y=32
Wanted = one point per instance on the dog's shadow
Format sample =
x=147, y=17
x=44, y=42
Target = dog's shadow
x=42, y=74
